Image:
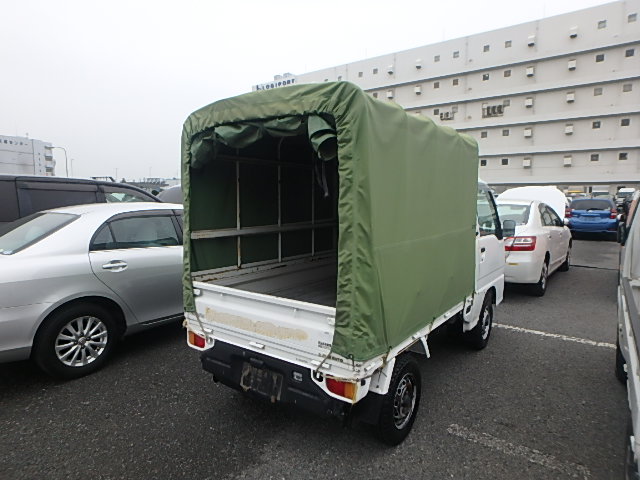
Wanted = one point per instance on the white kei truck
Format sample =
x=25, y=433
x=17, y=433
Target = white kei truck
x=627, y=367
x=321, y=249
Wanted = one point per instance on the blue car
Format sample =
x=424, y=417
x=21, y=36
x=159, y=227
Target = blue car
x=593, y=215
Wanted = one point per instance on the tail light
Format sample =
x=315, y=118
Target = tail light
x=520, y=244
x=196, y=340
x=614, y=213
x=343, y=389
x=567, y=212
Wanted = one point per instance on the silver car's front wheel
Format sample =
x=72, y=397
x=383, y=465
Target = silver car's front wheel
x=75, y=340
x=81, y=341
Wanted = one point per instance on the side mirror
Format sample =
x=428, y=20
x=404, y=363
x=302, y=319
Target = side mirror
x=509, y=228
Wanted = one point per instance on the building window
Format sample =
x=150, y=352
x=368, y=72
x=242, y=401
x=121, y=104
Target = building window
x=571, y=97
x=455, y=82
x=486, y=48
x=326, y=79
x=506, y=103
x=436, y=84
x=339, y=78
x=417, y=89
x=602, y=24
x=595, y=124
x=485, y=77
x=507, y=73
x=456, y=54
x=505, y=161
x=600, y=58
x=629, y=52
x=597, y=91
x=483, y=134
x=436, y=111
x=505, y=132
x=375, y=71
x=568, y=129
x=454, y=109
x=507, y=44
x=625, y=122
x=622, y=156
x=436, y=58
x=528, y=102
x=571, y=65
x=390, y=94
x=483, y=163
x=627, y=87
x=530, y=71
x=375, y=94
x=360, y=74
x=632, y=17
x=595, y=157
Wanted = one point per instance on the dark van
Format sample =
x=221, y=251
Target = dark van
x=22, y=195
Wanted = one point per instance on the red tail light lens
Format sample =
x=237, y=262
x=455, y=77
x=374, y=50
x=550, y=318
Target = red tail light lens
x=614, y=213
x=343, y=389
x=520, y=244
x=567, y=212
x=196, y=340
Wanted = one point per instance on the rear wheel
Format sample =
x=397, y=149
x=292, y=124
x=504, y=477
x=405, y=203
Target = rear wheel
x=400, y=404
x=566, y=264
x=75, y=341
x=540, y=288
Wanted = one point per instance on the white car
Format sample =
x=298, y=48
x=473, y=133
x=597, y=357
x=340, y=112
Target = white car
x=540, y=246
x=74, y=280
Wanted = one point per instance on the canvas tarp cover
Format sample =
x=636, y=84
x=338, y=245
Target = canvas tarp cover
x=406, y=205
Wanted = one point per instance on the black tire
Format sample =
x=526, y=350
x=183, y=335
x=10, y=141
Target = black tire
x=89, y=334
x=400, y=405
x=478, y=336
x=621, y=374
x=567, y=262
x=540, y=288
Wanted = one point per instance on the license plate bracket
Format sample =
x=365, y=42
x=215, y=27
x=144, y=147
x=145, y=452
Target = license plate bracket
x=261, y=380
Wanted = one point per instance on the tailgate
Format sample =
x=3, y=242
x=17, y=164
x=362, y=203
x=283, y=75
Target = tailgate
x=294, y=331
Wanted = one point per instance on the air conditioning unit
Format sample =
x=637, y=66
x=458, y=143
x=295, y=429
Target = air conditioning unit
x=417, y=89
x=531, y=41
x=571, y=65
x=567, y=160
x=573, y=32
x=526, y=162
x=528, y=102
x=571, y=97
x=446, y=116
x=530, y=71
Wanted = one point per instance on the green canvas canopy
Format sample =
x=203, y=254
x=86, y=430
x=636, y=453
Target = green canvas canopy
x=406, y=206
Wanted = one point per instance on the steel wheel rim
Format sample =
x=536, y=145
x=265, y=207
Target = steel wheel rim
x=486, y=322
x=81, y=341
x=404, y=401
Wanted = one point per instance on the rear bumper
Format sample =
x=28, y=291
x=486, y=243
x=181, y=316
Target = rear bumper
x=594, y=227
x=522, y=267
x=17, y=328
x=226, y=363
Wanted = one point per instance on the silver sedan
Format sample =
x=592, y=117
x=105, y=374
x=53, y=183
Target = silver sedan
x=74, y=280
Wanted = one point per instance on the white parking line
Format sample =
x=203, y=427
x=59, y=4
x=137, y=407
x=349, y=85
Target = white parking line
x=534, y=456
x=566, y=338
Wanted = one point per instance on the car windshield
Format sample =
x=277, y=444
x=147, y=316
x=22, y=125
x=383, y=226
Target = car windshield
x=517, y=213
x=26, y=231
x=591, y=204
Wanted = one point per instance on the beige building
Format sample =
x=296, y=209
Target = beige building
x=555, y=101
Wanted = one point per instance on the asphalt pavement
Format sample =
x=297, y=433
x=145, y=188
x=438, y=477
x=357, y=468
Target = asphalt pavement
x=540, y=402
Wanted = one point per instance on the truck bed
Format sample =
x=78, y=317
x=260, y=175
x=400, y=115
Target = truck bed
x=311, y=282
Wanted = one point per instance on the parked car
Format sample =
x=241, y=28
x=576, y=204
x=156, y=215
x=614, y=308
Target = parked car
x=73, y=280
x=22, y=195
x=172, y=194
x=622, y=195
x=594, y=215
x=541, y=244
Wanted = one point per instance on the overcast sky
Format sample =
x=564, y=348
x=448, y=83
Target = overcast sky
x=112, y=82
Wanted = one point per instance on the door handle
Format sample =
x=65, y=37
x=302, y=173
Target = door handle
x=115, y=266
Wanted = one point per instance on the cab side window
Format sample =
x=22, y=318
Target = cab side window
x=487, y=215
x=545, y=216
x=556, y=221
